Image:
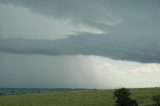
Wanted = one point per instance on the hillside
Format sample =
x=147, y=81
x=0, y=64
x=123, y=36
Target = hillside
x=76, y=98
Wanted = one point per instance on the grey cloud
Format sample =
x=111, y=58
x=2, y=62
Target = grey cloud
x=100, y=14
x=126, y=17
x=133, y=28
x=77, y=11
x=115, y=47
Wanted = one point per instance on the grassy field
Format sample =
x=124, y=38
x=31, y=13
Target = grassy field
x=76, y=98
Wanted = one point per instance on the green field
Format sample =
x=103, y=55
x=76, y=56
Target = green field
x=76, y=98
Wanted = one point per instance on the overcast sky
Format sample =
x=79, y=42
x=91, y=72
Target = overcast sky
x=79, y=44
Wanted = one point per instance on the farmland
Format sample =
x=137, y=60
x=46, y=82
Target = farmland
x=75, y=98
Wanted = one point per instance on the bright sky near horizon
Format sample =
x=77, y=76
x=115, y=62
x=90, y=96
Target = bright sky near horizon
x=79, y=44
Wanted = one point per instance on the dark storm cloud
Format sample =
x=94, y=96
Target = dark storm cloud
x=97, y=13
x=88, y=44
x=75, y=10
x=123, y=17
x=133, y=27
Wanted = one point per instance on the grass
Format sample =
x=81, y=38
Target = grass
x=77, y=98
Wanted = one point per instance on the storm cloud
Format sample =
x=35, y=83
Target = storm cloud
x=130, y=29
x=79, y=43
x=115, y=47
x=127, y=15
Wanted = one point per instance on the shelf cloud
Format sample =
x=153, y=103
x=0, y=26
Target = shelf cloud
x=79, y=43
x=130, y=29
x=119, y=48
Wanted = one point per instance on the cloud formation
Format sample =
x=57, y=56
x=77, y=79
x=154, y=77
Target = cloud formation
x=132, y=29
x=101, y=14
x=91, y=13
x=115, y=47
x=118, y=29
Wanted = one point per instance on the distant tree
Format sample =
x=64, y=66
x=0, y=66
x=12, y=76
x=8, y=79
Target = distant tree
x=1, y=94
x=123, y=98
x=156, y=99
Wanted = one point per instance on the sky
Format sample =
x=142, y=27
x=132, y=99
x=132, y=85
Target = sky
x=79, y=44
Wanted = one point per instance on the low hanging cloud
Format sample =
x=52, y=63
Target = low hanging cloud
x=88, y=44
x=131, y=29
